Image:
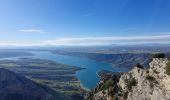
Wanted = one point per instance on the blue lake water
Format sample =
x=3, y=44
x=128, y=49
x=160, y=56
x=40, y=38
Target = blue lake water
x=88, y=77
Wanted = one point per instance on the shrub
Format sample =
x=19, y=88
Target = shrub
x=158, y=55
x=125, y=95
x=90, y=98
x=155, y=71
x=107, y=84
x=167, y=68
x=115, y=98
x=147, y=71
x=131, y=83
x=150, y=78
x=139, y=65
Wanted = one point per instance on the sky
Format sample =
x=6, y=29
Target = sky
x=83, y=22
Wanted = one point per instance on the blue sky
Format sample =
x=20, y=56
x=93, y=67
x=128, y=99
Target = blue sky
x=84, y=22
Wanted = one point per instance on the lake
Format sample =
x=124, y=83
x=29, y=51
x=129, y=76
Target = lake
x=88, y=77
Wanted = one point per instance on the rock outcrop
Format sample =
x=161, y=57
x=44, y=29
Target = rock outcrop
x=138, y=84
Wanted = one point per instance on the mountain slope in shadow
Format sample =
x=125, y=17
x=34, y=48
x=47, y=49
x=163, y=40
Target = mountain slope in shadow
x=16, y=87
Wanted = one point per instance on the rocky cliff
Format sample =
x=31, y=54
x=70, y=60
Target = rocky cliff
x=138, y=84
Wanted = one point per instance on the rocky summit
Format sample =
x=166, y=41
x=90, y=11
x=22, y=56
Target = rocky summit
x=152, y=83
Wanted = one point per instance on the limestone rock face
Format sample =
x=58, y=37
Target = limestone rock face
x=141, y=84
x=153, y=84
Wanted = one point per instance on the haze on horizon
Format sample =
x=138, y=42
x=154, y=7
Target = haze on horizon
x=84, y=22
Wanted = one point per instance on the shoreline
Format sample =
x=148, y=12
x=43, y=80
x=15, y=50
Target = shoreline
x=80, y=84
x=83, y=87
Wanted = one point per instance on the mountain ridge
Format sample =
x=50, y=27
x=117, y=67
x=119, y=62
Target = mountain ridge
x=16, y=87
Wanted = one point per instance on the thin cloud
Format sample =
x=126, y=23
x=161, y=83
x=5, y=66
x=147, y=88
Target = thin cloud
x=87, y=41
x=32, y=30
x=109, y=40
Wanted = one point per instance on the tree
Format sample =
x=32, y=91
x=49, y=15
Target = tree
x=167, y=68
x=158, y=55
x=139, y=66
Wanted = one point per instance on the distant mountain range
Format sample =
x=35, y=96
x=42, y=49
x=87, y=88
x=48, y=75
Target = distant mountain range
x=127, y=60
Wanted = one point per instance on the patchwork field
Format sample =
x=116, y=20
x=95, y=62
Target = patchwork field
x=58, y=77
